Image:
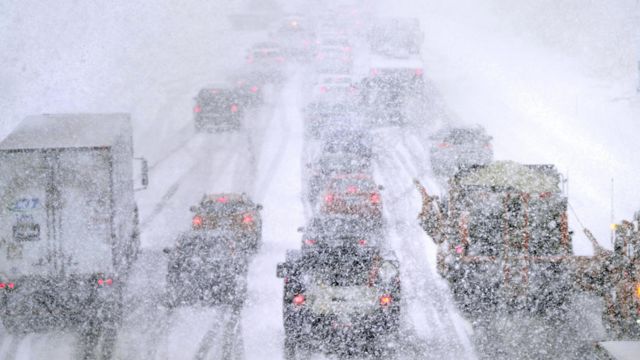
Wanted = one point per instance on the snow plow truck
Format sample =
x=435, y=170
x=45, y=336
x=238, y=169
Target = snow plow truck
x=503, y=238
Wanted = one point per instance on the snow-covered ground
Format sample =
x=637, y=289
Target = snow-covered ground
x=541, y=100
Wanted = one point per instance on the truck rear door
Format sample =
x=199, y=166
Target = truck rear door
x=25, y=247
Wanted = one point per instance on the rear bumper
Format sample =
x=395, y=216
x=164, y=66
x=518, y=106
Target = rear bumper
x=331, y=334
x=43, y=303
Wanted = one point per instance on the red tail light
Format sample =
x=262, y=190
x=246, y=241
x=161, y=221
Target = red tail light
x=197, y=109
x=298, y=300
x=419, y=72
x=247, y=219
x=103, y=282
x=197, y=221
x=254, y=89
x=234, y=108
x=323, y=89
x=11, y=285
x=385, y=300
x=374, y=72
x=362, y=242
x=352, y=189
x=375, y=198
x=459, y=249
x=310, y=242
x=328, y=198
x=444, y=145
x=2, y=285
x=221, y=199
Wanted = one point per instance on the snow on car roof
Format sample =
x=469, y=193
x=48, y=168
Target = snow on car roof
x=68, y=131
x=509, y=174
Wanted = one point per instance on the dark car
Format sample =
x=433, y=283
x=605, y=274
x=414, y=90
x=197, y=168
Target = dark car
x=218, y=108
x=206, y=268
x=233, y=212
x=455, y=149
x=341, y=300
x=348, y=141
x=331, y=164
x=355, y=195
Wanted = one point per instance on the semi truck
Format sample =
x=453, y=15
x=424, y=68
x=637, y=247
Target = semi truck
x=68, y=221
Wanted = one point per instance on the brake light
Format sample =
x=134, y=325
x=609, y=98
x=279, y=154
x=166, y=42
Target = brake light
x=254, y=89
x=234, y=108
x=247, y=219
x=444, y=145
x=352, y=189
x=374, y=72
x=310, y=242
x=362, y=242
x=197, y=221
x=197, y=109
x=419, y=72
x=323, y=89
x=11, y=285
x=103, y=282
x=459, y=249
x=328, y=198
x=221, y=199
x=298, y=300
x=385, y=300
x=375, y=198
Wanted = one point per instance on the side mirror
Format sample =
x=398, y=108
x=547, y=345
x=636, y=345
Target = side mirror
x=193, y=208
x=380, y=187
x=166, y=250
x=282, y=270
x=301, y=229
x=259, y=207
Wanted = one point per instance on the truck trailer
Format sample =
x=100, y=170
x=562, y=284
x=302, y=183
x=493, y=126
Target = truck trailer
x=68, y=221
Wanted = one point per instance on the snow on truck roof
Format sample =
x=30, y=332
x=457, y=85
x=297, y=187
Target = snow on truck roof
x=511, y=175
x=51, y=131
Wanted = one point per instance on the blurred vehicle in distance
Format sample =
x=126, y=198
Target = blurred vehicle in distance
x=453, y=149
x=218, y=108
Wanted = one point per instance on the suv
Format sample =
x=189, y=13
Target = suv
x=206, y=267
x=235, y=212
x=218, y=108
x=343, y=300
x=454, y=149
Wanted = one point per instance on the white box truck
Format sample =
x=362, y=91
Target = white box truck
x=68, y=220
